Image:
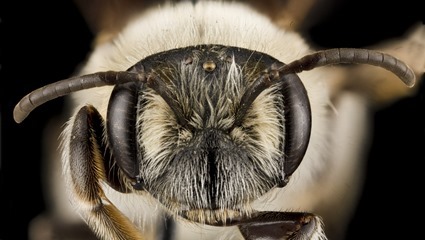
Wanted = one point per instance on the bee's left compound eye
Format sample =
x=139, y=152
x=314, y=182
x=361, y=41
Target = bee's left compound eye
x=121, y=129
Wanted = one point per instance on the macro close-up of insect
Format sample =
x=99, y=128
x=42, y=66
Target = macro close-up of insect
x=214, y=120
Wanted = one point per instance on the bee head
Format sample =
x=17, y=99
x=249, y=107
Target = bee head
x=207, y=129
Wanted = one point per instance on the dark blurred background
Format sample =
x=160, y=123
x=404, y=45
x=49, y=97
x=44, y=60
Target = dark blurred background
x=44, y=41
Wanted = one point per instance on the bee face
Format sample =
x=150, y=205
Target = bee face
x=198, y=159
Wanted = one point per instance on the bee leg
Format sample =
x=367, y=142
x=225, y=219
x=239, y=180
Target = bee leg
x=282, y=225
x=87, y=167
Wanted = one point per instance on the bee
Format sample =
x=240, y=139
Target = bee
x=205, y=120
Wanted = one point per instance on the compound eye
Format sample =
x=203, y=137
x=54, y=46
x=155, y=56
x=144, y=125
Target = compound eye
x=121, y=128
x=298, y=122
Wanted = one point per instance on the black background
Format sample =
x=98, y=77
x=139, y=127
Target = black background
x=44, y=41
